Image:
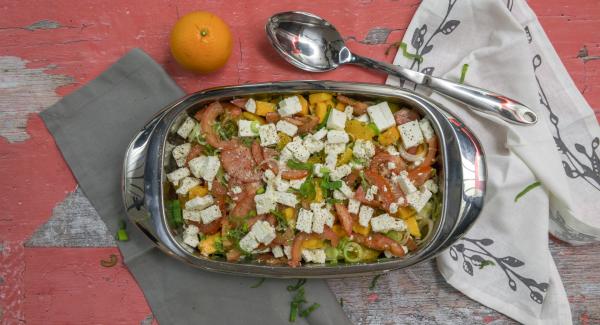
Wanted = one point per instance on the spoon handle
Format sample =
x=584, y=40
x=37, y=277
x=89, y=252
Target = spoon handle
x=479, y=99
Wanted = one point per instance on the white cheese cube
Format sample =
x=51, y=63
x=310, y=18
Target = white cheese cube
x=319, y=220
x=346, y=190
x=296, y=183
x=353, y=206
x=186, y=127
x=410, y=133
x=349, y=110
x=431, y=186
x=314, y=255
x=298, y=150
x=338, y=195
x=210, y=214
x=248, y=243
x=331, y=161
x=198, y=165
x=341, y=172
x=236, y=189
x=418, y=199
x=426, y=129
x=287, y=128
x=268, y=134
x=287, y=250
x=289, y=106
x=382, y=116
x=277, y=251
x=268, y=176
x=312, y=144
x=319, y=135
x=393, y=207
x=181, y=152
x=186, y=184
x=250, y=106
x=212, y=168
x=335, y=148
x=365, y=214
x=328, y=216
x=265, y=202
x=320, y=170
x=190, y=236
x=385, y=223
x=200, y=203
x=391, y=165
x=336, y=120
x=248, y=128
x=177, y=175
x=392, y=150
x=285, y=198
x=281, y=185
x=363, y=149
x=263, y=232
x=363, y=118
x=371, y=192
x=404, y=182
x=192, y=215
x=337, y=136
x=304, y=220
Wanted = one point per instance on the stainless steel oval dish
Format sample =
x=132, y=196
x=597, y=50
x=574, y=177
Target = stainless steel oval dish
x=461, y=164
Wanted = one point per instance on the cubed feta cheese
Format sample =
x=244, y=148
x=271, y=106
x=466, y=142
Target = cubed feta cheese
x=319, y=220
x=418, y=199
x=391, y=165
x=346, y=190
x=314, y=255
x=248, y=243
x=236, y=189
x=284, y=156
x=281, y=185
x=287, y=128
x=268, y=134
x=382, y=116
x=363, y=118
x=186, y=184
x=212, y=168
x=371, y=192
x=393, y=207
x=365, y=214
x=298, y=150
x=392, y=150
x=186, y=127
x=312, y=144
x=181, y=152
x=363, y=149
x=190, y=236
x=248, y=128
x=210, y=214
x=337, y=136
x=319, y=135
x=263, y=232
x=192, y=215
x=338, y=195
x=328, y=216
x=287, y=250
x=198, y=165
x=296, y=183
x=331, y=160
x=410, y=133
x=250, y=106
x=320, y=170
x=285, y=198
x=200, y=203
x=336, y=120
x=290, y=106
x=277, y=251
x=353, y=206
x=335, y=148
x=177, y=175
x=268, y=176
x=340, y=172
x=385, y=223
x=265, y=202
x=426, y=129
x=404, y=182
x=304, y=220
x=349, y=110
x=431, y=185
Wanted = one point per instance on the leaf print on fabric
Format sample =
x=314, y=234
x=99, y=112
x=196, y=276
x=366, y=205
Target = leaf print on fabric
x=428, y=70
x=450, y=26
x=419, y=36
x=474, y=253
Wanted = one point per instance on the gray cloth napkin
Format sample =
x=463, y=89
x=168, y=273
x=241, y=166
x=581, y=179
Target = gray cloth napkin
x=92, y=128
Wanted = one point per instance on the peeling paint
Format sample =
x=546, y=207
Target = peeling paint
x=24, y=91
x=43, y=24
x=148, y=320
x=585, y=56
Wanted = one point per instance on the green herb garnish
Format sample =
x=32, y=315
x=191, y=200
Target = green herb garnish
x=324, y=122
x=258, y=284
x=295, y=164
x=122, y=235
x=226, y=130
x=374, y=127
x=363, y=181
x=307, y=189
x=331, y=200
x=463, y=73
x=402, y=46
x=297, y=301
x=260, y=190
x=247, y=141
x=297, y=286
x=527, y=189
x=374, y=281
x=282, y=224
x=309, y=310
x=221, y=176
x=176, y=215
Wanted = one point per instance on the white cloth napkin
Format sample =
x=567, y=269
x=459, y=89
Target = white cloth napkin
x=508, y=52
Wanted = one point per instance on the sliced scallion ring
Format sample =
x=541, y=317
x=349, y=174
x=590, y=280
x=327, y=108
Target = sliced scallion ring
x=352, y=252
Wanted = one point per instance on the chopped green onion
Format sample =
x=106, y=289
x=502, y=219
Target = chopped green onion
x=122, y=224
x=374, y=127
x=402, y=46
x=352, y=252
x=307, y=189
x=293, y=312
x=324, y=122
x=374, y=281
x=324, y=170
x=297, y=286
x=527, y=189
x=363, y=181
x=254, y=127
x=463, y=73
x=331, y=200
x=176, y=212
x=309, y=310
x=247, y=141
x=332, y=254
x=122, y=235
x=295, y=164
x=260, y=190
x=257, y=284
x=281, y=220
x=195, y=133
x=296, y=303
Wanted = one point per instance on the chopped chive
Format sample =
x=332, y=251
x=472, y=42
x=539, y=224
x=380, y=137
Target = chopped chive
x=463, y=73
x=309, y=310
x=403, y=46
x=527, y=189
x=374, y=281
x=295, y=164
x=258, y=284
x=260, y=190
x=374, y=127
x=293, y=312
x=122, y=235
x=297, y=286
x=324, y=122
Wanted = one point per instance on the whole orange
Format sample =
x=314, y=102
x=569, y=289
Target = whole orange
x=201, y=42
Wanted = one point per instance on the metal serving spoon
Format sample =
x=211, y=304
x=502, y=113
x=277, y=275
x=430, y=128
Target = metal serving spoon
x=311, y=43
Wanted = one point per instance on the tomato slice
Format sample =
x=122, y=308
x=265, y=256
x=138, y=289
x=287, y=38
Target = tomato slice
x=344, y=217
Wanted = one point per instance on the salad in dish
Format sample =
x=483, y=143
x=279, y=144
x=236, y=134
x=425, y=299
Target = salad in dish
x=304, y=178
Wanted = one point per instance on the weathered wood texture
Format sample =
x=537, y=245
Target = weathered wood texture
x=47, y=53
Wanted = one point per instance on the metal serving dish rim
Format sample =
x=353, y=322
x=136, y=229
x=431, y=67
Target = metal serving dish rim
x=457, y=143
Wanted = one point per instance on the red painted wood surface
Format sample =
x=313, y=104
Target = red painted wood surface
x=67, y=43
